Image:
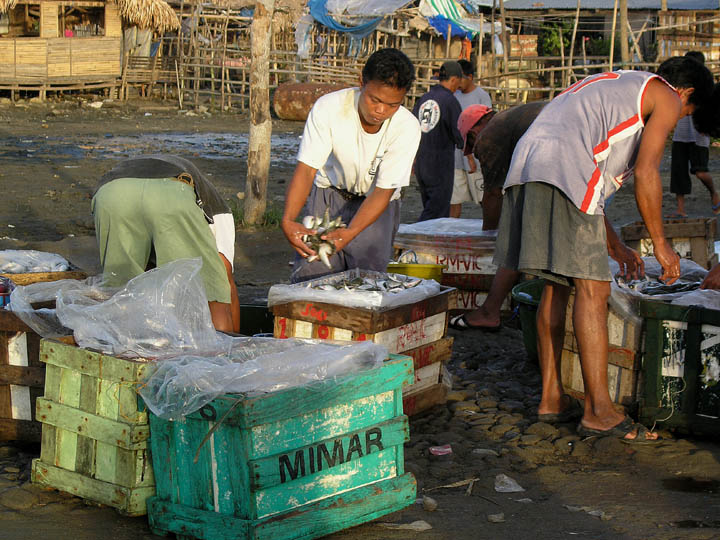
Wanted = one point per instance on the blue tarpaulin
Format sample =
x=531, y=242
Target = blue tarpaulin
x=318, y=10
x=440, y=23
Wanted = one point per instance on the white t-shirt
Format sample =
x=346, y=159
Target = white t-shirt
x=478, y=96
x=348, y=157
x=685, y=132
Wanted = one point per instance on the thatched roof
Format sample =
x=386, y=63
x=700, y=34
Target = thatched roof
x=155, y=14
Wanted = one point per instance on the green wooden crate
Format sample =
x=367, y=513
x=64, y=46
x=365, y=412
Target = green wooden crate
x=681, y=367
x=94, y=430
x=299, y=463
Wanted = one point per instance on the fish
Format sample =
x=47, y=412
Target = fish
x=392, y=284
x=322, y=225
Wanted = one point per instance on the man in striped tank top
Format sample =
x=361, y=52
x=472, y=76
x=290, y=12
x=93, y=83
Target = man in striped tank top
x=579, y=150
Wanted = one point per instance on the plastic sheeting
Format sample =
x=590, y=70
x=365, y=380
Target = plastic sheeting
x=370, y=8
x=179, y=386
x=690, y=272
x=160, y=313
x=281, y=294
x=13, y=261
x=445, y=235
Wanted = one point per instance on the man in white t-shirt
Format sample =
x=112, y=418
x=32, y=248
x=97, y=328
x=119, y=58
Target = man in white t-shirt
x=356, y=154
x=468, y=179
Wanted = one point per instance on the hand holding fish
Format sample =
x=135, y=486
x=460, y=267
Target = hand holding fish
x=631, y=264
x=295, y=232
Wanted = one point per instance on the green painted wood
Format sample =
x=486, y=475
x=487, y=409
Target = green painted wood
x=303, y=429
x=52, y=382
x=85, y=459
x=253, y=411
x=116, y=433
x=48, y=443
x=266, y=472
x=91, y=363
x=321, y=518
x=128, y=501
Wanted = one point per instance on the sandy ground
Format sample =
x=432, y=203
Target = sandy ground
x=51, y=157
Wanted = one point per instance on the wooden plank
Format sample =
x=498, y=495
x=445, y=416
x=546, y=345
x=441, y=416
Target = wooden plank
x=37, y=277
x=294, y=401
x=364, y=320
x=437, y=351
x=462, y=264
x=48, y=444
x=23, y=376
x=301, y=430
x=20, y=430
x=421, y=401
x=673, y=228
x=129, y=502
x=425, y=377
x=414, y=334
x=97, y=427
x=85, y=459
x=9, y=322
x=83, y=361
x=312, y=521
x=322, y=456
x=471, y=282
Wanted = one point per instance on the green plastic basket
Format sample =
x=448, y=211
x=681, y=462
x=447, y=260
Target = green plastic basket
x=527, y=296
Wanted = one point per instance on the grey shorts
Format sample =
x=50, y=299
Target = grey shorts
x=550, y=237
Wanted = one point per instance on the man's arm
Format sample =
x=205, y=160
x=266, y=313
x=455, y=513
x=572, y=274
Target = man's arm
x=662, y=108
x=712, y=280
x=295, y=197
x=371, y=208
x=234, y=300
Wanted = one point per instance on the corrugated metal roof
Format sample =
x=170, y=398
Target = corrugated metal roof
x=608, y=4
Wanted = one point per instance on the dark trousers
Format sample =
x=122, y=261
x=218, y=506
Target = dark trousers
x=436, y=190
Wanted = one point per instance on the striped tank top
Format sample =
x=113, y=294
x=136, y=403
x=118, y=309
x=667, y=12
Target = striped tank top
x=585, y=141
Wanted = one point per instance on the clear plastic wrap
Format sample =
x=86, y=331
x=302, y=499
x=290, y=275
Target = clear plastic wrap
x=176, y=387
x=627, y=297
x=158, y=314
x=445, y=235
x=281, y=294
x=14, y=261
x=43, y=320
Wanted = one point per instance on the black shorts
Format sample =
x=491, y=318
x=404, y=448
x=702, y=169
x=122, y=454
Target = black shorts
x=682, y=154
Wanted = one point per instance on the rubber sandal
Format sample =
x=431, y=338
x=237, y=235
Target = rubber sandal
x=459, y=322
x=677, y=215
x=573, y=411
x=716, y=208
x=619, y=431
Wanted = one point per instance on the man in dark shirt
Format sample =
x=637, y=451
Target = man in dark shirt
x=438, y=113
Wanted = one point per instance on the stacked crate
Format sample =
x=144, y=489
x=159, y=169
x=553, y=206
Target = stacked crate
x=294, y=464
x=22, y=374
x=467, y=256
x=625, y=333
x=94, y=430
x=690, y=238
x=418, y=330
x=681, y=369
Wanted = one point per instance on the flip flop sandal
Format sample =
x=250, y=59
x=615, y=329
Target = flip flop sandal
x=619, y=431
x=459, y=322
x=716, y=208
x=574, y=411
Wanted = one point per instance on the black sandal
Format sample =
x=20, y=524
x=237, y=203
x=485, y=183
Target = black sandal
x=459, y=322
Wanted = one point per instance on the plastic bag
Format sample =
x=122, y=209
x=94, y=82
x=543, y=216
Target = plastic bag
x=44, y=320
x=13, y=261
x=446, y=235
x=176, y=387
x=160, y=313
x=304, y=291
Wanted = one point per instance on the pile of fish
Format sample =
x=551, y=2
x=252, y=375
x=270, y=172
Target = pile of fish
x=652, y=287
x=391, y=283
x=321, y=225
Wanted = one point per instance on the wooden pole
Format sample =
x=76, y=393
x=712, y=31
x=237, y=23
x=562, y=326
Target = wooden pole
x=624, y=23
x=612, y=35
x=572, y=41
x=223, y=69
x=478, y=57
x=505, y=40
x=260, y=122
x=492, y=40
x=447, y=41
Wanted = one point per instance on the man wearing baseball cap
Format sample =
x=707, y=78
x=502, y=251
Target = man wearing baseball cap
x=438, y=113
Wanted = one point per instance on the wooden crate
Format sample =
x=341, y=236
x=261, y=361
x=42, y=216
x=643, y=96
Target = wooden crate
x=624, y=357
x=37, y=277
x=681, y=368
x=295, y=464
x=690, y=238
x=94, y=431
x=22, y=379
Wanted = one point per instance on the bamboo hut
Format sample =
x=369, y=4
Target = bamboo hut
x=59, y=45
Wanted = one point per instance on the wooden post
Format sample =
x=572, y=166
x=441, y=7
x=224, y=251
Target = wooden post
x=624, y=23
x=223, y=69
x=572, y=41
x=492, y=42
x=505, y=40
x=612, y=36
x=478, y=57
x=447, y=41
x=260, y=122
